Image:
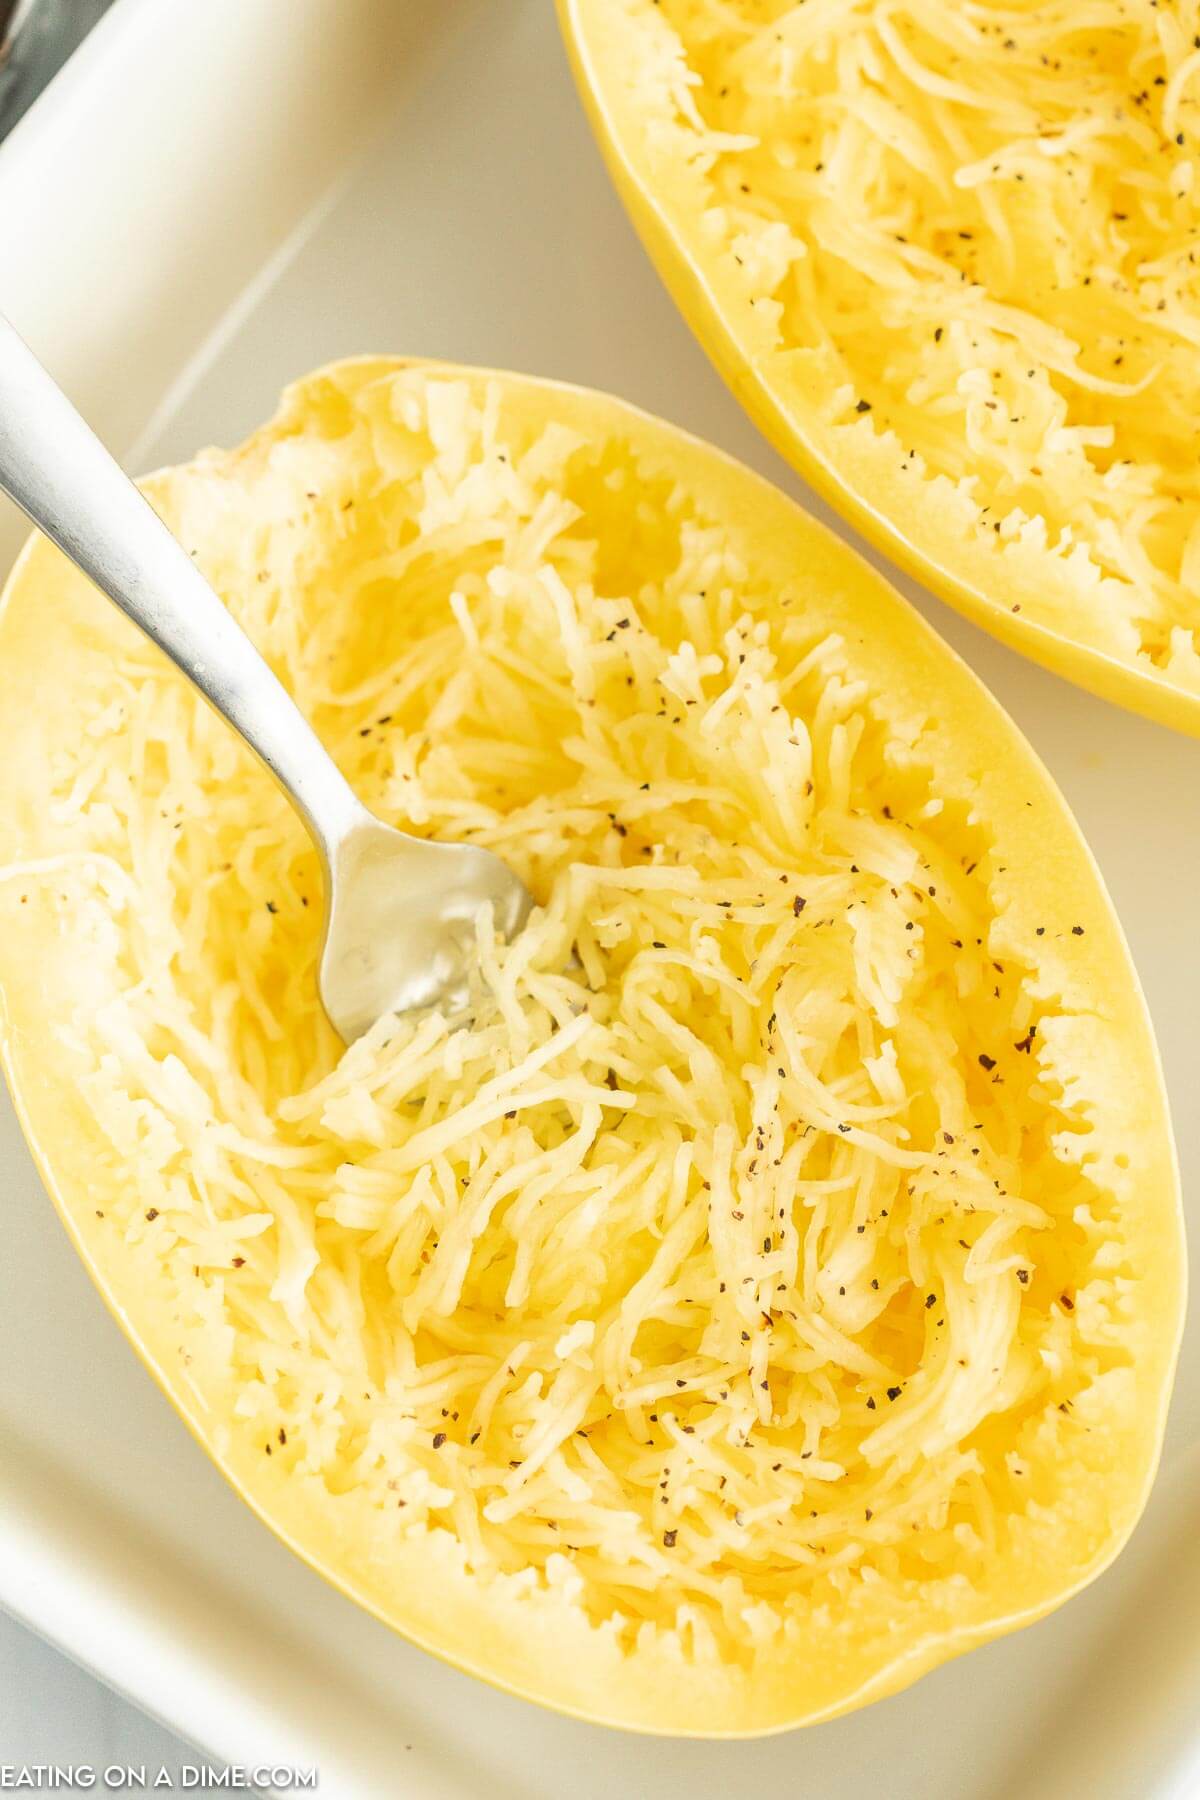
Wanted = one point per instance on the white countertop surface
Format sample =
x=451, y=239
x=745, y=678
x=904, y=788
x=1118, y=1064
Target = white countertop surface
x=51, y=1711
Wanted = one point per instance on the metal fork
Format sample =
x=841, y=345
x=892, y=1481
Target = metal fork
x=401, y=911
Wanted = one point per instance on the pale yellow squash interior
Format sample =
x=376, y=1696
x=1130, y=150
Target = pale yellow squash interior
x=946, y=255
x=774, y=1287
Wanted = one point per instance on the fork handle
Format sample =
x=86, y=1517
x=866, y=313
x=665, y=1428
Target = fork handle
x=60, y=474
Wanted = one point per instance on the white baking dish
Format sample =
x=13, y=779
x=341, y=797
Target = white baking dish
x=209, y=200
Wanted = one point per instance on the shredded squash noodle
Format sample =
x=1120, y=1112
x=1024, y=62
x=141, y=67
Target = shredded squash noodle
x=726, y=1257
x=974, y=226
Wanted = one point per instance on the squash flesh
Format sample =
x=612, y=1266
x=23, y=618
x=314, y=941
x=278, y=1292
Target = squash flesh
x=975, y=227
x=257, y=1191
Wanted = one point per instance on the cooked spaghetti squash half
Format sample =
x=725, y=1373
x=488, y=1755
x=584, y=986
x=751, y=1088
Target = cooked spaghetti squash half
x=772, y=1286
x=945, y=257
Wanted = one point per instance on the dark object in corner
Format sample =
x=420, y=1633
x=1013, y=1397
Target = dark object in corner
x=36, y=38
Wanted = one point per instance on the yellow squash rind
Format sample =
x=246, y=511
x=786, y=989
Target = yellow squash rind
x=537, y=1648
x=785, y=393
